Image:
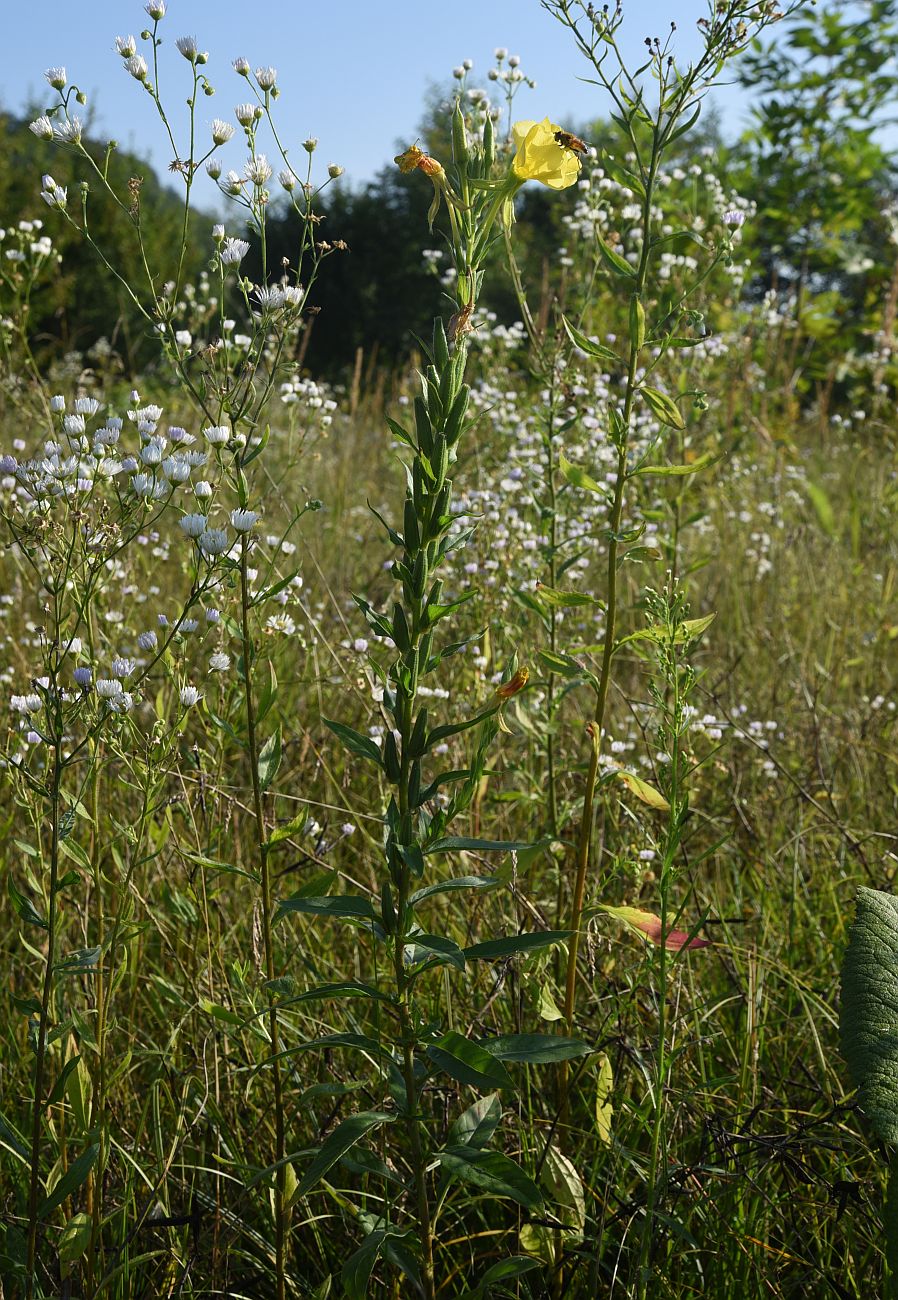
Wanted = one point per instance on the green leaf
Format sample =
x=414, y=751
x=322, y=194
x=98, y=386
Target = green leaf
x=467, y=1062
x=73, y=1242
x=869, y=1010
x=614, y=261
x=476, y=1125
x=565, y=665
x=23, y=905
x=356, y=1272
x=449, y=886
x=75, y=1175
x=344, y=989
x=345, y=1135
x=492, y=1172
x=270, y=758
x=353, y=906
x=579, y=477
x=514, y=1266
x=586, y=345
x=566, y=599
x=678, y=471
x=434, y=948
x=535, y=1049
x=355, y=742
x=663, y=407
x=823, y=509
x=496, y=949
x=455, y=843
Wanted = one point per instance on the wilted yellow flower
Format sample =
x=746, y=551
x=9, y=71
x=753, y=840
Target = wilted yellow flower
x=416, y=158
x=540, y=156
x=516, y=684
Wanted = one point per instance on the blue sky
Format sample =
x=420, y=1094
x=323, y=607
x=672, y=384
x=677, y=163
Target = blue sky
x=354, y=73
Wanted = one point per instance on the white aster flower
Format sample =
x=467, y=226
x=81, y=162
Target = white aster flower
x=42, y=127
x=69, y=131
x=189, y=696
x=243, y=520
x=233, y=252
x=156, y=9
x=266, y=77
x=219, y=662
x=126, y=46
x=258, y=170
x=217, y=434
x=137, y=66
x=213, y=541
x=241, y=67
x=221, y=131
x=56, y=78
x=246, y=113
x=194, y=525
x=187, y=46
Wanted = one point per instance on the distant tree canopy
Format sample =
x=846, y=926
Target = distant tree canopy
x=825, y=189
x=83, y=301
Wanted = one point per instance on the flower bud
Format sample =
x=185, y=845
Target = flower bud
x=334, y=170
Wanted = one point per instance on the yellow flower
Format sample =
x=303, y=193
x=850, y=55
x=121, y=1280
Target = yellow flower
x=539, y=156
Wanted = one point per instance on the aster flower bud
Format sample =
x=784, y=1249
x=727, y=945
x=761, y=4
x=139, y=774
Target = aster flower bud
x=218, y=233
x=311, y=144
x=213, y=169
x=57, y=403
x=734, y=217
x=514, y=61
x=334, y=170
x=287, y=180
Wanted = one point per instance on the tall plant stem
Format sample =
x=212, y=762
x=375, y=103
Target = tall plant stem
x=267, y=940
x=46, y=995
x=425, y=1223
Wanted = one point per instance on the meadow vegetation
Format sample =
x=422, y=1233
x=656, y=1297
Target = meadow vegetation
x=438, y=772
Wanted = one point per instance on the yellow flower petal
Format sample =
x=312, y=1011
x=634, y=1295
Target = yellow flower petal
x=540, y=157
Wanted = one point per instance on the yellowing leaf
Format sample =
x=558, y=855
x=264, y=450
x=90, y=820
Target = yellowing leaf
x=648, y=926
x=647, y=793
x=604, y=1107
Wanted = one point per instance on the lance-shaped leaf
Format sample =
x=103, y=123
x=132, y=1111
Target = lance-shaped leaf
x=493, y=1172
x=649, y=926
x=869, y=1014
x=344, y=1136
x=647, y=793
x=468, y=1063
x=664, y=408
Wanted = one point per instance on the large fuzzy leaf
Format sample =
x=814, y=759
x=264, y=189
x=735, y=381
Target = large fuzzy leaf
x=869, y=1015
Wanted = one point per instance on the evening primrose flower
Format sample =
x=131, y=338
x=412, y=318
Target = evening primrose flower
x=540, y=155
